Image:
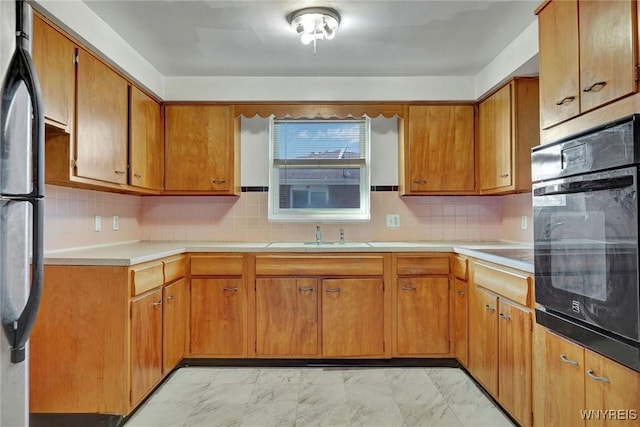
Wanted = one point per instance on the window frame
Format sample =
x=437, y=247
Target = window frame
x=361, y=214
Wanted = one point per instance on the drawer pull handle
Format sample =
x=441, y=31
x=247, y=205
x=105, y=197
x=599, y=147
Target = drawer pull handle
x=332, y=290
x=119, y=172
x=157, y=303
x=488, y=307
x=564, y=359
x=170, y=297
x=408, y=288
x=460, y=292
x=137, y=175
x=307, y=289
x=504, y=316
x=420, y=181
x=596, y=378
x=504, y=175
x=566, y=100
x=596, y=87
x=219, y=181
x=235, y=289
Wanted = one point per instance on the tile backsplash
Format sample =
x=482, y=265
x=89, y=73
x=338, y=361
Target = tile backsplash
x=69, y=218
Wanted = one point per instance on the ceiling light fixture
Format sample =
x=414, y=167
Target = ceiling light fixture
x=315, y=23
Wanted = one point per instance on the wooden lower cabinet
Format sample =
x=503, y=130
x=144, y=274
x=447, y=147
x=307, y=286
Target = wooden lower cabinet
x=287, y=321
x=459, y=324
x=483, y=343
x=422, y=315
x=218, y=317
x=146, y=344
x=175, y=323
x=580, y=387
x=353, y=317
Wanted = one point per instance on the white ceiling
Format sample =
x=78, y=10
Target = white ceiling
x=376, y=38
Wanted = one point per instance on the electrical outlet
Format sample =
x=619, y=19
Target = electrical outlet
x=97, y=223
x=523, y=224
x=393, y=221
x=116, y=223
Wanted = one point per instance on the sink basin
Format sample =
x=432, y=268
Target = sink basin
x=310, y=245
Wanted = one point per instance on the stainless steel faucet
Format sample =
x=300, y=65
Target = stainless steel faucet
x=342, y=236
x=318, y=235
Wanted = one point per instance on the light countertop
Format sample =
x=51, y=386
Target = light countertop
x=510, y=254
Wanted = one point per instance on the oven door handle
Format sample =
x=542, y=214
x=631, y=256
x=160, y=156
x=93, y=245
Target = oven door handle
x=584, y=186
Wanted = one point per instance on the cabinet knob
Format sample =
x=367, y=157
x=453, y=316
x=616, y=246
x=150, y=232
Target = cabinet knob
x=137, y=175
x=307, y=289
x=504, y=175
x=596, y=378
x=566, y=100
x=119, y=172
x=489, y=308
x=170, y=297
x=218, y=181
x=459, y=292
x=596, y=87
x=564, y=359
x=235, y=289
x=157, y=303
x=332, y=290
x=504, y=316
x=420, y=181
x=408, y=288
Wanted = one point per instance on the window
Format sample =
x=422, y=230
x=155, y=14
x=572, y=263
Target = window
x=319, y=170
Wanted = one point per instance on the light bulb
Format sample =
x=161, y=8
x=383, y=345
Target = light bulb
x=307, y=38
x=329, y=32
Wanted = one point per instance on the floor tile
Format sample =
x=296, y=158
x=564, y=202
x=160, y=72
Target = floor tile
x=481, y=415
x=429, y=415
x=325, y=415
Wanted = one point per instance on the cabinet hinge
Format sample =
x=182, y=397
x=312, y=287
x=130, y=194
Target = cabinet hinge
x=530, y=324
x=637, y=73
x=531, y=419
x=384, y=347
x=76, y=57
x=255, y=346
x=74, y=163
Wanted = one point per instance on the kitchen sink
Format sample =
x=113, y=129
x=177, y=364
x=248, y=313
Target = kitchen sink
x=335, y=245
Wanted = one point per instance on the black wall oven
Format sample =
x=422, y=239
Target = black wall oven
x=585, y=210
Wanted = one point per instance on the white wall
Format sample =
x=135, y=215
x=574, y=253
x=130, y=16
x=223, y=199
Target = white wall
x=254, y=151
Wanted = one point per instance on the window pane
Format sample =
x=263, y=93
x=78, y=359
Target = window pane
x=319, y=139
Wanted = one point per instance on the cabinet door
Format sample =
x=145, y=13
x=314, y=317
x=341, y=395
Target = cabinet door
x=421, y=331
x=102, y=126
x=483, y=339
x=352, y=317
x=441, y=148
x=495, y=141
x=287, y=317
x=145, y=141
x=460, y=331
x=218, y=317
x=175, y=323
x=564, y=382
x=610, y=385
x=146, y=344
x=54, y=59
x=559, y=62
x=199, y=148
x=514, y=360
x=607, y=51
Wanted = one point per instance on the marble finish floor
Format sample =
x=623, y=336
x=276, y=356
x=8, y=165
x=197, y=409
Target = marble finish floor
x=318, y=396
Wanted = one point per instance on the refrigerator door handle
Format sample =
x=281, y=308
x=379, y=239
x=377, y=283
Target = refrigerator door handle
x=22, y=70
x=19, y=330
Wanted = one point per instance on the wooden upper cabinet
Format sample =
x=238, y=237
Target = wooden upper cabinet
x=588, y=56
x=607, y=51
x=508, y=128
x=201, y=149
x=102, y=126
x=145, y=141
x=54, y=59
x=439, y=151
x=559, y=62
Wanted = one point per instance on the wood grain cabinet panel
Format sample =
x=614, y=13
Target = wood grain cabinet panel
x=483, y=343
x=175, y=323
x=508, y=128
x=439, y=156
x=202, y=149
x=54, y=59
x=423, y=315
x=145, y=141
x=218, y=317
x=146, y=344
x=102, y=121
x=287, y=321
x=459, y=326
x=353, y=317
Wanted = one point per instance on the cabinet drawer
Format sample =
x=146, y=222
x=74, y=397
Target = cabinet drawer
x=219, y=265
x=331, y=265
x=460, y=267
x=510, y=284
x=146, y=277
x=423, y=265
x=175, y=268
